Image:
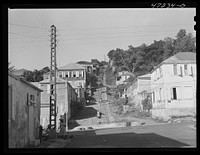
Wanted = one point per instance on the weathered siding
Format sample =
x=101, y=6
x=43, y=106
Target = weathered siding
x=21, y=130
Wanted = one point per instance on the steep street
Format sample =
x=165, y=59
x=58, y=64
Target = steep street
x=88, y=116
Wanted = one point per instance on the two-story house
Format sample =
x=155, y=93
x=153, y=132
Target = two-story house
x=173, y=86
x=74, y=73
x=139, y=89
x=123, y=76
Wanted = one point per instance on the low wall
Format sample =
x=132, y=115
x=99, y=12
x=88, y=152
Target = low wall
x=165, y=114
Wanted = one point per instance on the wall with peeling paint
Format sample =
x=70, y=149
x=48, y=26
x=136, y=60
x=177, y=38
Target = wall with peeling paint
x=20, y=133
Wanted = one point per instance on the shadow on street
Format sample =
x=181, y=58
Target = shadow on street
x=127, y=140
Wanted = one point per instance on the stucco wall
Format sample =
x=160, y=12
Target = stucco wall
x=164, y=104
x=61, y=103
x=65, y=95
x=19, y=131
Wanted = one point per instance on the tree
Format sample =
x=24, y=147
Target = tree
x=168, y=47
x=184, y=42
x=10, y=68
x=36, y=75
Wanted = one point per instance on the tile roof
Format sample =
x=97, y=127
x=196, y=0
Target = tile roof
x=71, y=66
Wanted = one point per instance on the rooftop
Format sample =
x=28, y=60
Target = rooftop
x=71, y=66
x=181, y=57
x=19, y=72
x=58, y=80
x=24, y=81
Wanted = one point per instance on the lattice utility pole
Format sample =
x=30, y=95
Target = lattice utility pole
x=53, y=83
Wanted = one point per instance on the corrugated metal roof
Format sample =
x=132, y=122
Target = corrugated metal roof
x=71, y=66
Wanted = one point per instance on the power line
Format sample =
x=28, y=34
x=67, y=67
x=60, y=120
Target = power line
x=38, y=37
x=118, y=36
x=122, y=27
x=27, y=26
x=119, y=32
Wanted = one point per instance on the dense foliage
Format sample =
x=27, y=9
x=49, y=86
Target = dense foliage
x=36, y=75
x=142, y=59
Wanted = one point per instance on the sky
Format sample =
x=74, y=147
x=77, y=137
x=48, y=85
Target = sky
x=85, y=34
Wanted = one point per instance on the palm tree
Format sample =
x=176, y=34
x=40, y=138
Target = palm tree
x=10, y=68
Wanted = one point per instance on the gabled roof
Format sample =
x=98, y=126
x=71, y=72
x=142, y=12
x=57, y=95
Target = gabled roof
x=58, y=80
x=181, y=57
x=71, y=66
x=24, y=81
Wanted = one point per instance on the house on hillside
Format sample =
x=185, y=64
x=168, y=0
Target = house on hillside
x=122, y=76
x=74, y=73
x=23, y=112
x=139, y=89
x=67, y=99
x=173, y=86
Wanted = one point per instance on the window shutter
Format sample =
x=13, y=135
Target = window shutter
x=181, y=71
x=186, y=69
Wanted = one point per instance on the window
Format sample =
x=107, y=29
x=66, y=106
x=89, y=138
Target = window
x=175, y=69
x=67, y=74
x=181, y=71
x=74, y=73
x=32, y=98
x=80, y=73
x=186, y=69
x=60, y=74
x=192, y=71
x=174, y=95
x=77, y=73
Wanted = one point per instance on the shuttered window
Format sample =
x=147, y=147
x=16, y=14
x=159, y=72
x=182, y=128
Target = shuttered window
x=175, y=69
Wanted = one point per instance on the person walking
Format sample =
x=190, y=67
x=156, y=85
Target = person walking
x=40, y=133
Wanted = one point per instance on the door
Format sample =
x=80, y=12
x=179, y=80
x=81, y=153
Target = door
x=31, y=123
